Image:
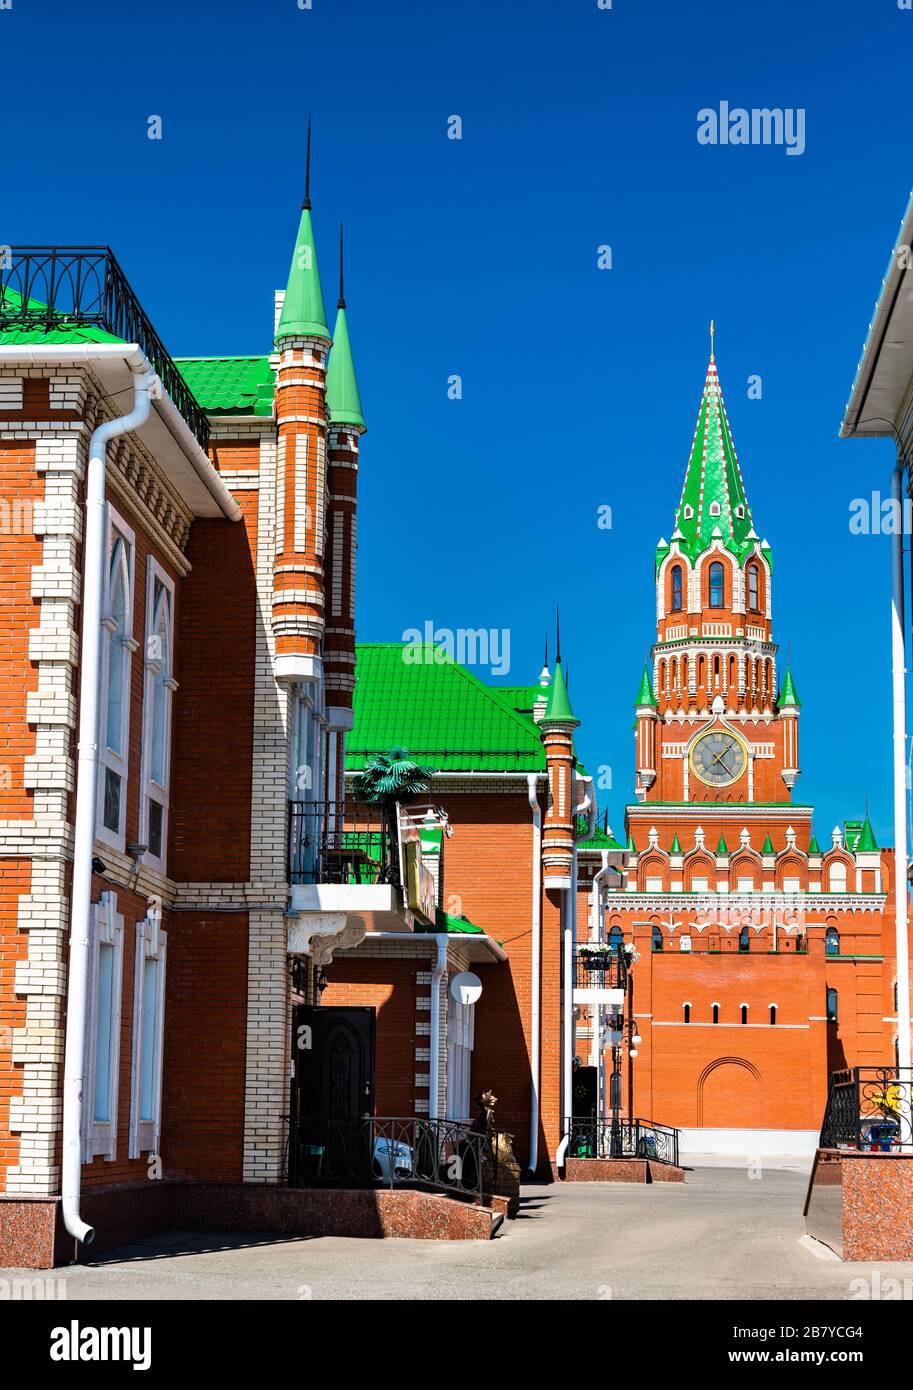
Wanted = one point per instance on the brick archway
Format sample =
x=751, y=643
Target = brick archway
x=729, y=1095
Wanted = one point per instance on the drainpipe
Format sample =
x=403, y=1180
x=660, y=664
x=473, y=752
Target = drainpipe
x=434, y=1070
x=587, y=805
x=535, y=1042
x=86, y=792
x=898, y=674
x=596, y=1054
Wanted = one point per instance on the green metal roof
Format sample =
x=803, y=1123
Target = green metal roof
x=417, y=698
x=676, y=845
x=303, y=314
x=866, y=844
x=558, y=710
x=230, y=385
x=767, y=847
x=599, y=840
x=788, y=694
x=343, y=400
x=455, y=926
x=722, y=847
x=645, y=694
x=712, y=478
x=813, y=846
x=65, y=332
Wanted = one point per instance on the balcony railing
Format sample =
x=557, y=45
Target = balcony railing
x=329, y=844
x=868, y=1108
x=369, y=1151
x=621, y=1138
x=603, y=968
x=56, y=287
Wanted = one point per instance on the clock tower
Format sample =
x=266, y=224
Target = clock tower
x=714, y=722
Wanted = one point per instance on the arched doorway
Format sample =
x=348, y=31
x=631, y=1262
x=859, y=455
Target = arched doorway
x=729, y=1095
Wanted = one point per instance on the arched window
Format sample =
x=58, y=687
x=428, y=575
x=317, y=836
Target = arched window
x=743, y=1013
x=832, y=942
x=114, y=713
x=616, y=939
x=716, y=1013
x=831, y=1009
x=160, y=685
x=838, y=877
x=717, y=585
x=753, y=602
x=676, y=588
x=773, y=1015
x=657, y=938
x=687, y=1012
x=744, y=940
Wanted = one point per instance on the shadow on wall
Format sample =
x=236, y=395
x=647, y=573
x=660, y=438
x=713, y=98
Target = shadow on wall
x=500, y=1058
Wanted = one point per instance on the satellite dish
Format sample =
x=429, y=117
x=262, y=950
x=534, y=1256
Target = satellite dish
x=466, y=988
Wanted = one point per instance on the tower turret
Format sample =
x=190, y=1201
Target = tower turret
x=645, y=727
x=302, y=343
x=558, y=724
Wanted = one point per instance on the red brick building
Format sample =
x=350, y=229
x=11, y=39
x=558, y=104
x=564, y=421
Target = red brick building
x=764, y=960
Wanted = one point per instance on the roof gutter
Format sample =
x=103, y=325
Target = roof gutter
x=83, y=355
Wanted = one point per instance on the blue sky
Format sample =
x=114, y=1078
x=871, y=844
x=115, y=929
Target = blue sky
x=478, y=257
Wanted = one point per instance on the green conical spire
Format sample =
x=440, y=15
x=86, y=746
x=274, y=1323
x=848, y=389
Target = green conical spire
x=788, y=694
x=558, y=709
x=343, y=400
x=767, y=847
x=713, y=498
x=813, y=846
x=722, y=847
x=676, y=846
x=645, y=694
x=632, y=848
x=866, y=843
x=303, y=314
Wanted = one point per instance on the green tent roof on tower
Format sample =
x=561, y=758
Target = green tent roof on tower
x=558, y=709
x=866, y=844
x=767, y=847
x=813, y=847
x=713, y=503
x=722, y=847
x=303, y=314
x=788, y=695
x=631, y=845
x=645, y=694
x=676, y=845
x=343, y=400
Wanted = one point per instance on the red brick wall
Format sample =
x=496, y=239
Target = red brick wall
x=389, y=987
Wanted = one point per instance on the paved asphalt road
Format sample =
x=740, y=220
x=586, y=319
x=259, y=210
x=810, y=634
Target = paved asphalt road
x=720, y=1235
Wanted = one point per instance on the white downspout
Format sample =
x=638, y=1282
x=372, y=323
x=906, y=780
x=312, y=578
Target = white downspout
x=569, y=924
x=535, y=1041
x=898, y=677
x=434, y=1070
x=596, y=921
x=86, y=793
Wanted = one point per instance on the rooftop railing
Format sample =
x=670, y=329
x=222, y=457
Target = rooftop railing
x=52, y=288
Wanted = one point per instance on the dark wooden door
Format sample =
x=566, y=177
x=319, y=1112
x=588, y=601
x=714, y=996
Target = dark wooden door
x=333, y=1062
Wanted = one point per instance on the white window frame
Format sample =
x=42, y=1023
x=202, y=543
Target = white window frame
x=151, y=944
x=107, y=758
x=148, y=788
x=653, y=885
x=460, y=1044
x=106, y=928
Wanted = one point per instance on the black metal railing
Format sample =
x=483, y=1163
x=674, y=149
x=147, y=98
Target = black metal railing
x=622, y=1138
x=600, y=968
x=54, y=287
x=372, y=1151
x=868, y=1108
x=331, y=844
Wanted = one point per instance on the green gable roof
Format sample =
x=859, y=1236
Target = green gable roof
x=303, y=314
x=343, y=400
x=230, y=385
x=416, y=697
x=712, y=477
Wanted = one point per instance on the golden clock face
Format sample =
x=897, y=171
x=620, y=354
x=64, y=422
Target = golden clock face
x=718, y=758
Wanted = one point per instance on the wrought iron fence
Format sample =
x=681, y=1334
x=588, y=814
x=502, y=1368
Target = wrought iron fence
x=328, y=843
x=868, y=1108
x=603, y=968
x=373, y=1151
x=54, y=287
x=622, y=1138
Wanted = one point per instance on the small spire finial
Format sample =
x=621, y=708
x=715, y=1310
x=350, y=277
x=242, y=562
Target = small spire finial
x=558, y=634
x=545, y=662
x=306, y=201
x=342, y=292
x=712, y=334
